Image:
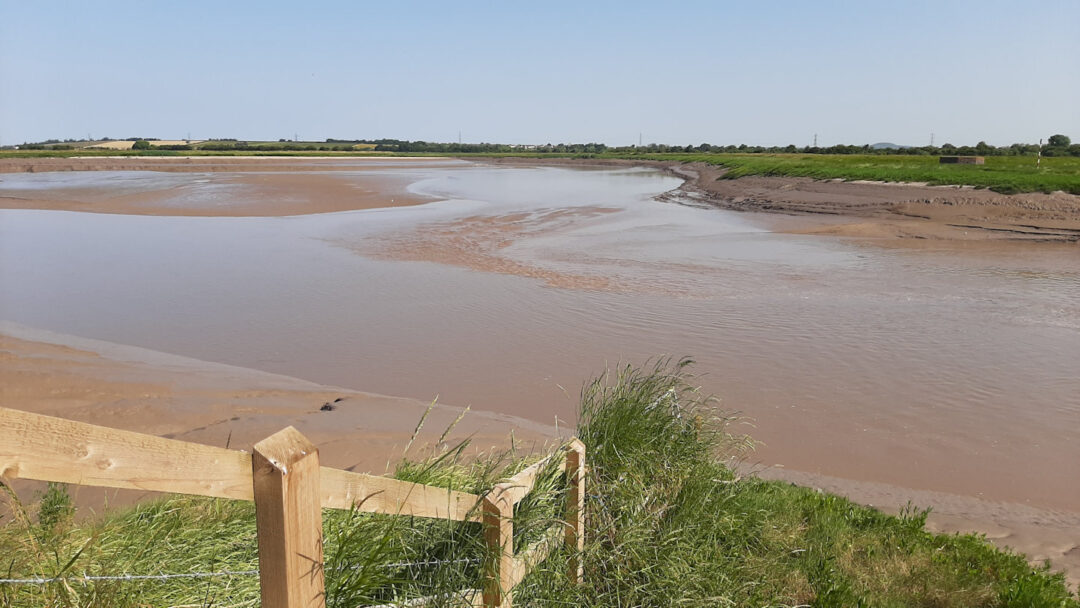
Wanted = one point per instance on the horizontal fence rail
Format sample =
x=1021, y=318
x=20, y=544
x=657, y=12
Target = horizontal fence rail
x=53, y=449
x=289, y=487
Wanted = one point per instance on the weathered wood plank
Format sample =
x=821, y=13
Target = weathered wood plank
x=531, y=557
x=518, y=487
x=372, y=494
x=575, y=509
x=45, y=448
x=288, y=518
x=499, y=539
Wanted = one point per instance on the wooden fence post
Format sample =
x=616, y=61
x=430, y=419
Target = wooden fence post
x=575, y=509
x=499, y=540
x=288, y=516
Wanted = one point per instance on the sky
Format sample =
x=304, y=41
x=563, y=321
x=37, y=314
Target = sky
x=759, y=72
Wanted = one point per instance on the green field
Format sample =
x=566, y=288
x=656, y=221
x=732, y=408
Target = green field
x=668, y=524
x=1006, y=174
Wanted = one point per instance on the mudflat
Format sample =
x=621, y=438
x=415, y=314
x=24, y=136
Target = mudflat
x=896, y=210
x=140, y=390
x=232, y=187
x=282, y=186
x=200, y=164
x=877, y=210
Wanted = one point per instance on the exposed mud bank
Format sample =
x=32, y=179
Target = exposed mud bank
x=869, y=209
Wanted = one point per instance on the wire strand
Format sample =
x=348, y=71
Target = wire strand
x=87, y=578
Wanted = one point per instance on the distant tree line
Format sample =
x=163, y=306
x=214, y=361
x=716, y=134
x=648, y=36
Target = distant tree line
x=398, y=145
x=55, y=141
x=45, y=146
x=226, y=145
x=1056, y=145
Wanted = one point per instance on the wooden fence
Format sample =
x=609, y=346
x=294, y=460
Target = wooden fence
x=289, y=487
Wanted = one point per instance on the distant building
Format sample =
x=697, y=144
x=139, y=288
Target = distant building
x=962, y=160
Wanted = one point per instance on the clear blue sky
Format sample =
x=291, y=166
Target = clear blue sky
x=757, y=72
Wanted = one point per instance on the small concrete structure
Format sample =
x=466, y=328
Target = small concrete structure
x=962, y=160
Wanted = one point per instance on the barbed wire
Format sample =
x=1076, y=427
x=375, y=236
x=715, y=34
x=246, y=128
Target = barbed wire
x=88, y=578
x=464, y=594
x=432, y=562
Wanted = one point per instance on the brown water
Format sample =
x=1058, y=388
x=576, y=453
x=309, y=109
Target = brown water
x=951, y=369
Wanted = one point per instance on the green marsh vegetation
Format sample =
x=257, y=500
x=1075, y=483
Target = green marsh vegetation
x=1005, y=174
x=669, y=524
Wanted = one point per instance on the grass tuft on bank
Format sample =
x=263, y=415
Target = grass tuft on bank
x=669, y=524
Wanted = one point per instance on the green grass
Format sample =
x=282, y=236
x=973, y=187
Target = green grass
x=668, y=525
x=1006, y=174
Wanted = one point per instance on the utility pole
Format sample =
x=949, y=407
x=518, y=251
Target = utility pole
x=815, y=140
x=931, y=139
x=1038, y=157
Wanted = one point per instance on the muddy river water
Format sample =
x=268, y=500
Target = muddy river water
x=936, y=367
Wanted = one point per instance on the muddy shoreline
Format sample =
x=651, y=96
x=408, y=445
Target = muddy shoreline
x=210, y=164
x=187, y=399
x=270, y=187
x=213, y=404
x=866, y=209
x=797, y=205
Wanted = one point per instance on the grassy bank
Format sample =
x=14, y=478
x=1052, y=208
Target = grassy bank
x=668, y=524
x=1006, y=174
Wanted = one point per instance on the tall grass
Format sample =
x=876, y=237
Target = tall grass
x=668, y=524
x=671, y=525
